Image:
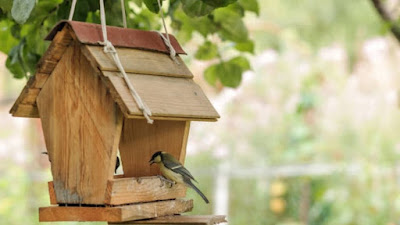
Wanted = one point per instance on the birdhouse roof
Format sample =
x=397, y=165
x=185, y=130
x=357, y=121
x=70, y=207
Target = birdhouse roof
x=165, y=86
x=90, y=33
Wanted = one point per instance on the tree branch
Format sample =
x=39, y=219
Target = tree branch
x=385, y=15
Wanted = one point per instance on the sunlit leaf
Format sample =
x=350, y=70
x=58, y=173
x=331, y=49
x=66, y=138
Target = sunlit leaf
x=218, y=3
x=247, y=46
x=21, y=9
x=232, y=26
x=207, y=51
x=250, y=5
x=230, y=74
x=241, y=61
x=152, y=5
x=196, y=8
x=211, y=75
x=6, y=5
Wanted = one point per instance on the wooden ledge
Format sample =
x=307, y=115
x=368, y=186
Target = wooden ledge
x=115, y=214
x=144, y=189
x=187, y=220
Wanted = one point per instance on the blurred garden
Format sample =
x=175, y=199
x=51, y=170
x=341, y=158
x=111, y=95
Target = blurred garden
x=309, y=136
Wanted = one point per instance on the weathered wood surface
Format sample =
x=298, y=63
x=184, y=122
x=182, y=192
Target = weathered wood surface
x=81, y=124
x=25, y=105
x=52, y=193
x=165, y=96
x=143, y=189
x=140, y=61
x=186, y=220
x=115, y=214
x=185, y=138
x=141, y=140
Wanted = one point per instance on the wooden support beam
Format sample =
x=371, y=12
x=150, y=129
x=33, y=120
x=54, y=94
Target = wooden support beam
x=115, y=214
x=186, y=220
x=144, y=189
x=52, y=193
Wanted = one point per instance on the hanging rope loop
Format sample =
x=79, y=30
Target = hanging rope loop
x=167, y=41
x=110, y=49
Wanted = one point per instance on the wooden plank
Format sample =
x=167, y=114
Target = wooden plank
x=140, y=61
x=115, y=214
x=165, y=96
x=141, y=140
x=30, y=96
x=52, y=193
x=186, y=220
x=38, y=80
x=170, y=118
x=47, y=66
x=81, y=124
x=143, y=189
x=29, y=111
x=184, y=142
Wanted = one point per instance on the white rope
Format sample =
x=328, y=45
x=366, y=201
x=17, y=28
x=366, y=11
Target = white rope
x=72, y=10
x=123, y=13
x=167, y=41
x=109, y=48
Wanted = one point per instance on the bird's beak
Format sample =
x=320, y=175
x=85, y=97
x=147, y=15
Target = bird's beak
x=151, y=162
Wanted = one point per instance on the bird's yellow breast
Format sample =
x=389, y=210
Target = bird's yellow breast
x=171, y=175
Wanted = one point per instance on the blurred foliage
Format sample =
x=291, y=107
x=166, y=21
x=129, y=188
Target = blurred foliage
x=24, y=24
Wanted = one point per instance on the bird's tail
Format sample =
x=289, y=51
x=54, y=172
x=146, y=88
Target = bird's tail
x=190, y=184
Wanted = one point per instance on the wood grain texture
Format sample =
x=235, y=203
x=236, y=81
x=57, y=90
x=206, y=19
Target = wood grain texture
x=170, y=118
x=81, y=123
x=29, y=111
x=25, y=105
x=52, y=193
x=141, y=140
x=165, y=96
x=38, y=80
x=185, y=138
x=143, y=189
x=115, y=214
x=178, y=219
x=140, y=61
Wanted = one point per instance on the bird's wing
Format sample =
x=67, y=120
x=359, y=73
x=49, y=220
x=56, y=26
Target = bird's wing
x=174, y=165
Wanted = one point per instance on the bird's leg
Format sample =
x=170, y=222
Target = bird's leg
x=165, y=180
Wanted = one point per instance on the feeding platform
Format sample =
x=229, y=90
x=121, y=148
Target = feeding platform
x=88, y=114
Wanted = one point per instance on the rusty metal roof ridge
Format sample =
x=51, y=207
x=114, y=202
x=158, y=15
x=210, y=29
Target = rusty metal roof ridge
x=90, y=33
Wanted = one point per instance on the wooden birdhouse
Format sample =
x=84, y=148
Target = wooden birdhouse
x=88, y=114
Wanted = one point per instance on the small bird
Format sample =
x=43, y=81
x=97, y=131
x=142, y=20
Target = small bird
x=173, y=170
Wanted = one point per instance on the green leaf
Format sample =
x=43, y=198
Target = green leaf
x=14, y=62
x=242, y=62
x=218, y=3
x=250, y=5
x=232, y=26
x=230, y=74
x=21, y=9
x=152, y=5
x=207, y=51
x=196, y=8
x=7, y=40
x=138, y=2
x=247, y=46
x=211, y=74
x=6, y=5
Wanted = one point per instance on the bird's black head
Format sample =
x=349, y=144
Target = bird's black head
x=156, y=158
